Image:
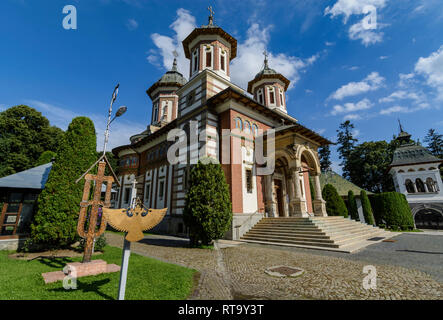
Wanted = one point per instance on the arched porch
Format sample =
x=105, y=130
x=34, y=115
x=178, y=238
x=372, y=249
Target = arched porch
x=287, y=190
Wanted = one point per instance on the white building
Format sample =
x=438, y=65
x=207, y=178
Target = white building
x=416, y=174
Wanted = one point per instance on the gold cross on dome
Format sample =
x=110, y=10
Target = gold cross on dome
x=175, y=53
x=211, y=12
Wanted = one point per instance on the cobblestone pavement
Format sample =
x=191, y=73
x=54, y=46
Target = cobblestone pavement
x=238, y=273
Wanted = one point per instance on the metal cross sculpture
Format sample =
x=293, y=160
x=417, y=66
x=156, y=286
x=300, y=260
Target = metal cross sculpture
x=211, y=15
x=95, y=203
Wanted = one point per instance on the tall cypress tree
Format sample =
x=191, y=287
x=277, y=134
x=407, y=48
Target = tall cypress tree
x=347, y=142
x=208, y=208
x=335, y=206
x=58, y=205
x=367, y=209
x=352, y=206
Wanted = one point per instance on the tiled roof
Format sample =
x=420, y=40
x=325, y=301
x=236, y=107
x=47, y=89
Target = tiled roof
x=412, y=154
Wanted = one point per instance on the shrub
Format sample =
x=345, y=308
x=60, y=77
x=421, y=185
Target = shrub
x=335, y=206
x=367, y=209
x=99, y=245
x=352, y=206
x=392, y=209
x=208, y=208
x=58, y=205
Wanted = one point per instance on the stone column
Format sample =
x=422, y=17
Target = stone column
x=284, y=193
x=426, y=186
x=415, y=187
x=319, y=204
x=297, y=203
x=269, y=199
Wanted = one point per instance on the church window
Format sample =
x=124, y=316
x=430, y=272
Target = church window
x=127, y=195
x=190, y=98
x=238, y=124
x=147, y=191
x=409, y=186
x=281, y=97
x=247, y=127
x=255, y=129
x=195, y=61
x=162, y=189
x=260, y=96
x=271, y=95
x=420, y=185
x=223, y=60
x=431, y=185
x=208, y=56
x=249, y=180
x=155, y=116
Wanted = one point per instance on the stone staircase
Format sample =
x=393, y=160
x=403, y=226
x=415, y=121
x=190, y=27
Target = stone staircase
x=330, y=233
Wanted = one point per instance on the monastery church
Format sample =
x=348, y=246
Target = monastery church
x=211, y=100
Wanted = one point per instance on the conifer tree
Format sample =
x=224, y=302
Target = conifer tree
x=352, y=206
x=367, y=209
x=58, y=205
x=335, y=206
x=208, y=208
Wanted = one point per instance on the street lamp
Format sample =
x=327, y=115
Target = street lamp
x=119, y=113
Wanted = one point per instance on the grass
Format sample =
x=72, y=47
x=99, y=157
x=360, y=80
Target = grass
x=148, y=279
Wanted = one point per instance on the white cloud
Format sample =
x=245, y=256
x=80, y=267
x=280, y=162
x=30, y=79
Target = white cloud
x=131, y=24
x=352, y=117
x=383, y=57
x=351, y=107
x=402, y=109
x=182, y=27
x=372, y=82
x=329, y=44
x=365, y=30
x=431, y=68
x=401, y=95
x=405, y=79
x=120, y=130
x=249, y=58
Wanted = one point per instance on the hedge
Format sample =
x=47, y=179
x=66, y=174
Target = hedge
x=367, y=209
x=335, y=206
x=392, y=211
x=352, y=206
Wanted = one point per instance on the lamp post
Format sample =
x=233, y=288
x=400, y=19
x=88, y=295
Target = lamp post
x=119, y=112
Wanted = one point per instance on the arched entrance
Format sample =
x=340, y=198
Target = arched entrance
x=279, y=192
x=306, y=186
x=429, y=219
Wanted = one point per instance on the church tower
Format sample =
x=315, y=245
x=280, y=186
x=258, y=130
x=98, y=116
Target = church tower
x=210, y=47
x=269, y=87
x=164, y=97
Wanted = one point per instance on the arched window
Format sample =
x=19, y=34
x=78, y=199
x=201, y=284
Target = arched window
x=422, y=169
x=282, y=103
x=255, y=130
x=260, y=96
x=420, y=185
x=208, y=56
x=238, y=124
x=247, y=127
x=223, y=60
x=195, y=60
x=431, y=185
x=409, y=186
x=271, y=92
x=411, y=170
x=400, y=171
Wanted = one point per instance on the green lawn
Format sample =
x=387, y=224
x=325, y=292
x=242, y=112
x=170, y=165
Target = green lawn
x=148, y=279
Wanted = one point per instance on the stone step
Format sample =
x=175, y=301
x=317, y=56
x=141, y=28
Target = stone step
x=300, y=223
x=287, y=234
x=292, y=238
x=289, y=229
x=283, y=240
x=352, y=238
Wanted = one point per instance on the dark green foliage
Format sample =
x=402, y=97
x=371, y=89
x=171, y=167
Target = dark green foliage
x=208, y=208
x=352, y=206
x=434, y=142
x=58, y=205
x=25, y=134
x=367, y=209
x=99, y=245
x=335, y=206
x=368, y=163
x=392, y=210
x=324, y=154
x=346, y=142
x=312, y=189
x=45, y=157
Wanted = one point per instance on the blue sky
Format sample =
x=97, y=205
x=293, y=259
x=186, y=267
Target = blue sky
x=339, y=67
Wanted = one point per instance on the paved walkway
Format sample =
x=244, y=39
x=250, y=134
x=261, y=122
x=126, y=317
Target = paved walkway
x=237, y=272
